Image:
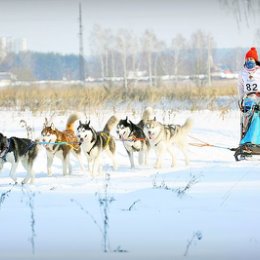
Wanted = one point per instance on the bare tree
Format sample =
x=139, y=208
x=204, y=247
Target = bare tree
x=210, y=46
x=243, y=10
x=160, y=48
x=124, y=41
x=199, y=46
x=149, y=43
x=179, y=44
x=113, y=54
x=238, y=58
x=135, y=58
x=100, y=40
x=257, y=37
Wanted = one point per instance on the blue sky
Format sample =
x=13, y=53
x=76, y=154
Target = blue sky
x=52, y=25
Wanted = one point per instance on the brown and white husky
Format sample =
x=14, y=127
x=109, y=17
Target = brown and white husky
x=51, y=137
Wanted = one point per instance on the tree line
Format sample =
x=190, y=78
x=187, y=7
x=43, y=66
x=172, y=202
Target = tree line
x=123, y=54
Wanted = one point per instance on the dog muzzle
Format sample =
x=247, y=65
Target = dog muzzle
x=150, y=135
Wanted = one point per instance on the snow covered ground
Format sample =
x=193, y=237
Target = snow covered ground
x=208, y=210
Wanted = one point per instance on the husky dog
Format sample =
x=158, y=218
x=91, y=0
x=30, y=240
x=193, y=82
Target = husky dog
x=93, y=143
x=14, y=150
x=133, y=137
x=162, y=137
x=134, y=140
x=51, y=136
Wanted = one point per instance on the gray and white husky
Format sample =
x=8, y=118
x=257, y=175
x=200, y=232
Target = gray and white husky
x=93, y=143
x=134, y=140
x=163, y=137
x=15, y=150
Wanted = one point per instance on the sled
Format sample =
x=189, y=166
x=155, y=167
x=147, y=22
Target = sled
x=250, y=127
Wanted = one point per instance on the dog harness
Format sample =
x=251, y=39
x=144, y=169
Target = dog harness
x=88, y=152
x=99, y=138
x=29, y=147
x=169, y=131
x=10, y=148
x=133, y=138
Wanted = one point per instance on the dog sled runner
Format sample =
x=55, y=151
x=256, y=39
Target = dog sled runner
x=250, y=127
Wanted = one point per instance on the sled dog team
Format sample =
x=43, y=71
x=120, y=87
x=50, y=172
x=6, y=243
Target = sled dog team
x=137, y=138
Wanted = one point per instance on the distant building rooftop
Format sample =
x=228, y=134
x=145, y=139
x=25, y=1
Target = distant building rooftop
x=6, y=78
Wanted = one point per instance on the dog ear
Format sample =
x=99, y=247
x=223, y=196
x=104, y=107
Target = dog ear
x=88, y=123
x=52, y=126
x=127, y=120
x=80, y=124
x=4, y=138
x=45, y=122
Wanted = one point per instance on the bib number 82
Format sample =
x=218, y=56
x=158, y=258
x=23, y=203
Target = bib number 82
x=252, y=87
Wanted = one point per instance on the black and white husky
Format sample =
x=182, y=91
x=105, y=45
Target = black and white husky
x=134, y=140
x=162, y=138
x=94, y=143
x=14, y=150
x=133, y=137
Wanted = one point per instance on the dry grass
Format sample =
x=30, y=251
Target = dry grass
x=63, y=98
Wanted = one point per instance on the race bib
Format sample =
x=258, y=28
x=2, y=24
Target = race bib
x=251, y=87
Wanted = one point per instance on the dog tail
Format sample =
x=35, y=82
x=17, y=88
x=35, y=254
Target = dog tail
x=70, y=122
x=111, y=123
x=187, y=125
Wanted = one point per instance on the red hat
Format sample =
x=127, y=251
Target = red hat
x=252, y=53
